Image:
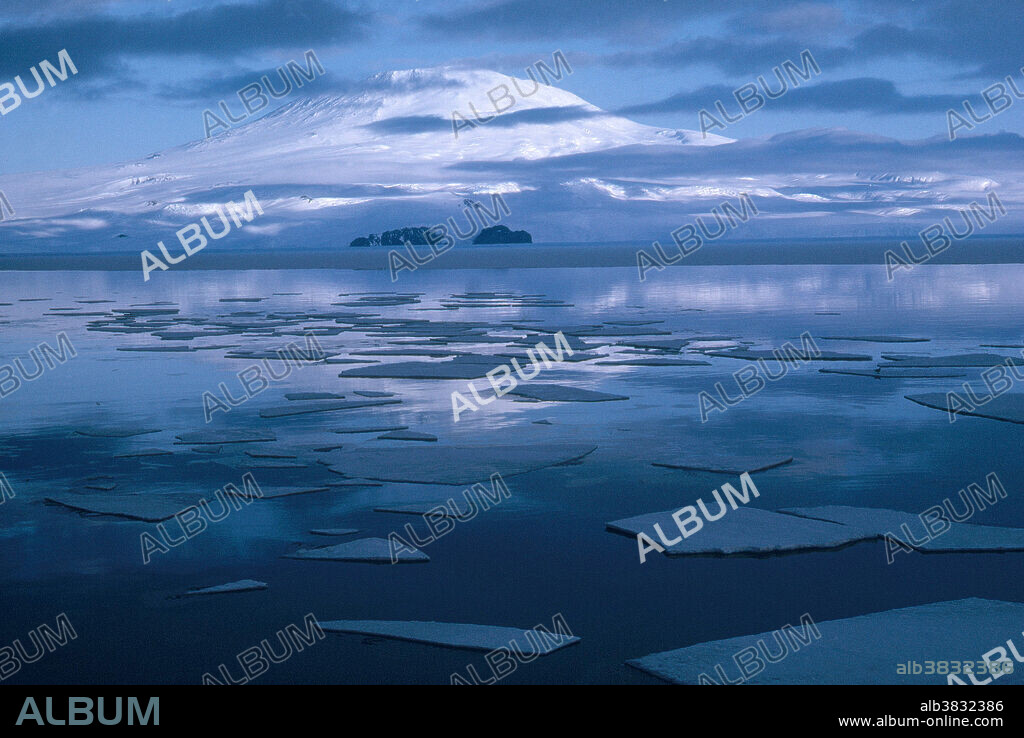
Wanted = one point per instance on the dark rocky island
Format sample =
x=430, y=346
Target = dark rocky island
x=502, y=234
x=415, y=235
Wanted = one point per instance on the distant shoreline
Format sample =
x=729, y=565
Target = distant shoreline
x=978, y=250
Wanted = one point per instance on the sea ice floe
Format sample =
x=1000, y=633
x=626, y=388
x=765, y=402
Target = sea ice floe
x=959, y=537
x=363, y=550
x=186, y=335
x=242, y=585
x=204, y=437
x=562, y=393
x=745, y=530
x=754, y=355
x=457, y=635
x=711, y=345
x=151, y=508
x=629, y=323
x=453, y=465
x=406, y=435
x=667, y=344
x=735, y=465
x=1008, y=408
x=273, y=492
x=124, y=432
x=320, y=406
x=428, y=352
x=653, y=362
x=439, y=507
x=959, y=360
x=302, y=396
x=748, y=530
x=896, y=373
x=877, y=339
x=461, y=367
x=525, y=359
x=158, y=349
x=372, y=429
x=334, y=531
x=869, y=647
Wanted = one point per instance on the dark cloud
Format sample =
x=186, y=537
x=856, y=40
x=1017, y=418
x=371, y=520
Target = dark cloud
x=983, y=33
x=532, y=19
x=981, y=37
x=733, y=56
x=545, y=115
x=411, y=124
x=994, y=155
x=98, y=43
x=864, y=94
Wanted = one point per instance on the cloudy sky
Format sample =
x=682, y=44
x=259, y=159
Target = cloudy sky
x=148, y=68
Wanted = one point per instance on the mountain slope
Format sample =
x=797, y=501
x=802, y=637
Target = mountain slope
x=329, y=168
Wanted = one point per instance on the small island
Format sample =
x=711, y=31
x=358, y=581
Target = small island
x=502, y=234
x=417, y=236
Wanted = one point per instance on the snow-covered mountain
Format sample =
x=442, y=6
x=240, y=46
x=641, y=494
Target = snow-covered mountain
x=327, y=169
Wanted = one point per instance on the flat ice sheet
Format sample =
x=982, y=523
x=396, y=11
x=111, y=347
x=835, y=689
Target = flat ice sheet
x=320, y=406
x=958, y=360
x=151, y=508
x=243, y=585
x=754, y=355
x=143, y=453
x=419, y=508
x=726, y=465
x=653, y=362
x=407, y=435
x=746, y=530
x=363, y=550
x=333, y=531
x=275, y=491
x=457, y=635
x=961, y=537
x=859, y=650
x=304, y=396
x=454, y=465
x=890, y=372
x=124, y=432
x=877, y=339
x=461, y=367
x=562, y=393
x=217, y=437
x=1008, y=408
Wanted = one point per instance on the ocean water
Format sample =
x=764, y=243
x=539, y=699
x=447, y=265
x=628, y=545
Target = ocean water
x=545, y=551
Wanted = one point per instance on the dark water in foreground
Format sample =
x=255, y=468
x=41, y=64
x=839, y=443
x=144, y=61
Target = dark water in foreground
x=541, y=553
